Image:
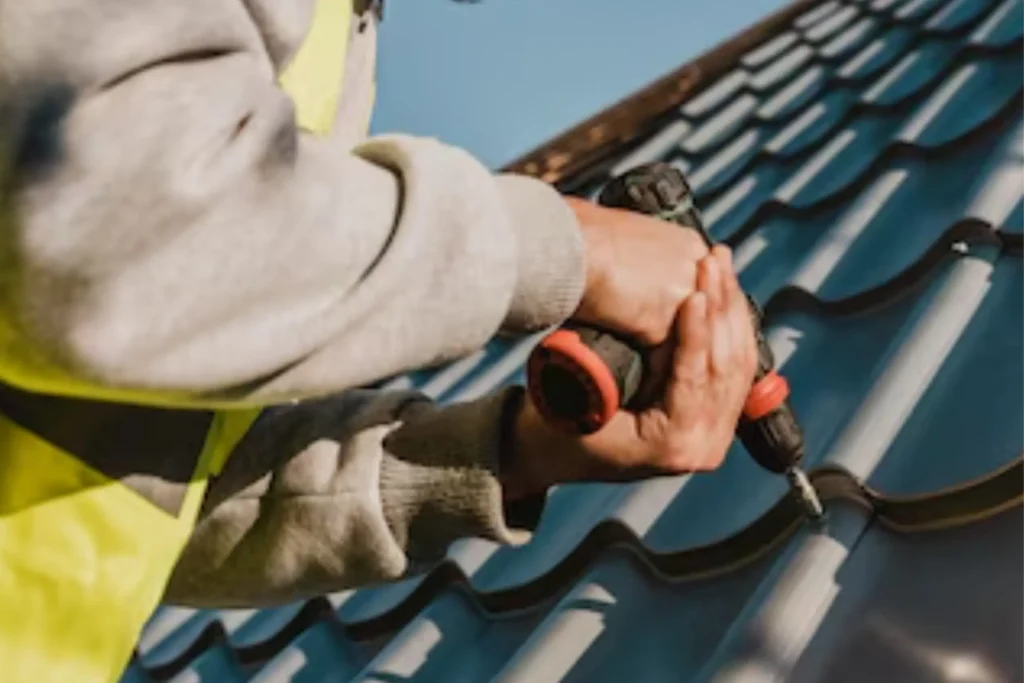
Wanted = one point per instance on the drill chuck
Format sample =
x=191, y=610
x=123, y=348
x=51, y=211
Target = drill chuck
x=578, y=377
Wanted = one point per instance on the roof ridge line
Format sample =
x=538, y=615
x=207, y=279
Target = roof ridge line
x=622, y=121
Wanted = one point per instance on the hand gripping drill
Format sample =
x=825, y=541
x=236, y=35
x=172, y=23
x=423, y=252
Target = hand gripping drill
x=578, y=377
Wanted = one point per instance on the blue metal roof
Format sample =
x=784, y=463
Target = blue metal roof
x=833, y=157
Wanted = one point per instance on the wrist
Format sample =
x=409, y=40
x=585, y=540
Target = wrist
x=598, y=252
x=521, y=471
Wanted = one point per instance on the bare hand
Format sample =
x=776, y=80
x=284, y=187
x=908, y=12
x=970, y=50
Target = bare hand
x=710, y=370
x=639, y=270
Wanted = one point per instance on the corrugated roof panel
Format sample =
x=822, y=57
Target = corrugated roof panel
x=970, y=406
x=865, y=144
x=878, y=54
x=835, y=23
x=795, y=95
x=942, y=607
x=1003, y=26
x=916, y=10
x=916, y=70
x=320, y=655
x=434, y=645
x=718, y=93
x=656, y=148
x=769, y=50
x=957, y=15
x=884, y=5
x=170, y=632
x=971, y=95
x=721, y=125
x=720, y=168
x=843, y=45
x=847, y=154
x=818, y=14
x=781, y=69
x=812, y=125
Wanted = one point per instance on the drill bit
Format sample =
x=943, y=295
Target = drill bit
x=805, y=493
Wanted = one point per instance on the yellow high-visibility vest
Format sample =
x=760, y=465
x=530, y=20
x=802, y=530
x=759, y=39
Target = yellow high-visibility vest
x=84, y=558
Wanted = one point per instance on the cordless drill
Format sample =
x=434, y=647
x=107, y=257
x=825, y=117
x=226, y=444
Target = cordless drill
x=578, y=376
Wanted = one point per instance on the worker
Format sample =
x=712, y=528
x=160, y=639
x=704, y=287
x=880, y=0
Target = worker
x=203, y=256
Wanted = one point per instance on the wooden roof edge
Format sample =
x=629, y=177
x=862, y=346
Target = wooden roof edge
x=571, y=151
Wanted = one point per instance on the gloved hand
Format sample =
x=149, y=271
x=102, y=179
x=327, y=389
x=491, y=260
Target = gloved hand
x=708, y=359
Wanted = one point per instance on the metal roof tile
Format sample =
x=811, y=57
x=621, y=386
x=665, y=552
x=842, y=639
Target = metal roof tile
x=878, y=54
x=433, y=646
x=939, y=607
x=1003, y=26
x=847, y=154
x=835, y=23
x=656, y=148
x=759, y=56
x=216, y=665
x=851, y=39
x=795, y=95
x=320, y=655
x=956, y=15
x=865, y=143
x=170, y=633
x=916, y=10
x=717, y=94
x=725, y=122
x=885, y=5
x=917, y=69
x=778, y=71
x=818, y=14
x=720, y=168
x=971, y=95
x=970, y=389
x=812, y=125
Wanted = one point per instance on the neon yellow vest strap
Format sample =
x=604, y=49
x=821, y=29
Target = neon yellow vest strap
x=83, y=560
x=314, y=78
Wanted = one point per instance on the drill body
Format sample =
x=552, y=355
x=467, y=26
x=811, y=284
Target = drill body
x=578, y=377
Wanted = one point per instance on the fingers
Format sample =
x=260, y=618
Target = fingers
x=716, y=280
x=727, y=277
x=741, y=325
x=695, y=340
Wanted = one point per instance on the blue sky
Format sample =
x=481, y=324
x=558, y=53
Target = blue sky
x=503, y=76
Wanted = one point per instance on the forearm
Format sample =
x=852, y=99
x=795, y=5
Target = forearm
x=356, y=489
x=183, y=237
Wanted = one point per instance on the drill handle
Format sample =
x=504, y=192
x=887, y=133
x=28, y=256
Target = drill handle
x=579, y=376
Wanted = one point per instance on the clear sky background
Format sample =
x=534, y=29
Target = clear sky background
x=500, y=77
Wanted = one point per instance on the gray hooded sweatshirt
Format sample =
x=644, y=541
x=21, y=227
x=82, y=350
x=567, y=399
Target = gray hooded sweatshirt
x=166, y=228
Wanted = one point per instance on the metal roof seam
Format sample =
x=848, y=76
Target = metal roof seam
x=791, y=299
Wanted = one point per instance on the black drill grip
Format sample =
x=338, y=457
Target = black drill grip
x=580, y=376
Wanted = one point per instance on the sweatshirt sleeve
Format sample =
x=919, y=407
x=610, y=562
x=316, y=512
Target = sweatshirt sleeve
x=346, y=491
x=168, y=230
